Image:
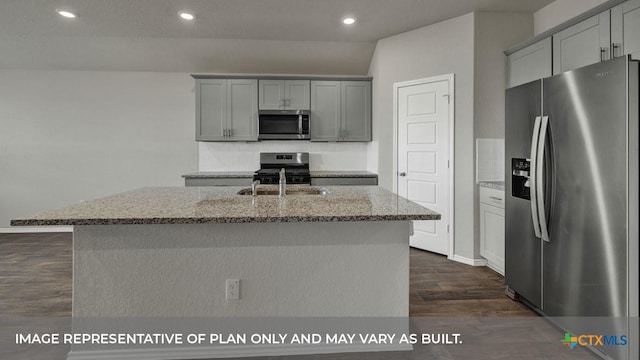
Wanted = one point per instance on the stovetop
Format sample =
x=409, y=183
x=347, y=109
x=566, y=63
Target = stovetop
x=287, y=171
x=296, y=167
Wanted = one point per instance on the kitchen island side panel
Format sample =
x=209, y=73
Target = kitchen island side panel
x=286, y=269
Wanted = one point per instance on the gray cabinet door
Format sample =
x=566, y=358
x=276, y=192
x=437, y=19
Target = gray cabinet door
x=625, y=29
x=325, y=110
x=529, y=64
x=356, y=111
x=284, y=94
x=297, y=94
x=211, y=109
x=242, y=109
x=271, y=95
x=585, y=43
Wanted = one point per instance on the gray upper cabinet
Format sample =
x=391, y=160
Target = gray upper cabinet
x=326, y=110
x=242, y=110
x=625, y=29
x=340, y=111
x=356, y=111
x=529, y=64
x=226, y=110
x=582, y=44
x=211, y=110
x=284, y=94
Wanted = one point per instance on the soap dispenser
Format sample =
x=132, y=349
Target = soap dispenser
x=283, y=183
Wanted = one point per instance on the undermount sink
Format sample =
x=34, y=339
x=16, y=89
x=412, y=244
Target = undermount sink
x=290, y=191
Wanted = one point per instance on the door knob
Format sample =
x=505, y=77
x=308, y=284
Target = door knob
x=403, y=174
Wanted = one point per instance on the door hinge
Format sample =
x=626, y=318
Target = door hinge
x=448, y=164
x=448, y=98
x=447, y=227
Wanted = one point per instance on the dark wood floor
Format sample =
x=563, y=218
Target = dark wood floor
x=35, y=274
x=35, y=280
x=441, y=287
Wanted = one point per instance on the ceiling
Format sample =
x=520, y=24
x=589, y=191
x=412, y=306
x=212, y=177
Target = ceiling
x=273, y=36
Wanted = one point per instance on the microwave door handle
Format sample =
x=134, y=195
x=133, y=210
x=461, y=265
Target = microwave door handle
x=299, y=124
x=533, y=179
x=544, y=127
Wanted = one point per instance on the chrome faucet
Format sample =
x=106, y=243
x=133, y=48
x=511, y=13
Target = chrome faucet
x=282, y=189
x=254, y=187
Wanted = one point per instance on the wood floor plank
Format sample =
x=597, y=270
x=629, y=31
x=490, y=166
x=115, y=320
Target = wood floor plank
x=36, y=281
x=36, y=273
x=441, y=287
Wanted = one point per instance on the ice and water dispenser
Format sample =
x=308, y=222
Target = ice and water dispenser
x=520, y=170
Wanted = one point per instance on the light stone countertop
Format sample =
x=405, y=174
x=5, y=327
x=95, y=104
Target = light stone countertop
x=196, y=205
x=498, y=185
x=342, y=174
x=249, y=174
x=218, y=174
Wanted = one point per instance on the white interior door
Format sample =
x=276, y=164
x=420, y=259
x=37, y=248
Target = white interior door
x=423, y=158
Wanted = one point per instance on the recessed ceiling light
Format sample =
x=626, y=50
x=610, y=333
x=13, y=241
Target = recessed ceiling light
x=349, y=21
x=67, y=14
x=186, y=16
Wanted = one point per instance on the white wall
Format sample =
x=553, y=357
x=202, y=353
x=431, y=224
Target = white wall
x=442, y=48
x=494, y=32
x=560, y=11
x=215, y=156
x=67, y=136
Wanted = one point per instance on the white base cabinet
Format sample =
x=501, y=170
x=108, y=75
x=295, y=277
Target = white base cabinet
x=492, y=228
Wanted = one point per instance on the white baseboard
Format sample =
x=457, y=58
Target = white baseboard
x=231, y=351
x=467, y=261
x=34, y=229
x=495, y=268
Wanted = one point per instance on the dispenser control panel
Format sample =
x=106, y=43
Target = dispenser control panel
x=520, y=172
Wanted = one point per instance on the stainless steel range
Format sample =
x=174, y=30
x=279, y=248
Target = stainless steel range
x=296, y=167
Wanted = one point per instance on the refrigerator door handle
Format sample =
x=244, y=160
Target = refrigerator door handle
x=542, y=216
x=533, y=178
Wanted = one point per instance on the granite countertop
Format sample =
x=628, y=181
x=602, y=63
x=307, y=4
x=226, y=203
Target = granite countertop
x=498, y=185
x=249, y=174
x=195, y=205
x=219, y=174
x=342, y=174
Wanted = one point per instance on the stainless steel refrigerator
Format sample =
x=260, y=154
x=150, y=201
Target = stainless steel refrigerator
x=571, y=145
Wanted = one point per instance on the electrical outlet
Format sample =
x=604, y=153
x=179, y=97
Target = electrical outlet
x=233, y=289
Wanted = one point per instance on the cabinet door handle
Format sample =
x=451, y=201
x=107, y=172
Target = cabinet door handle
x=224, y=132
x=603, y=53
x=230, y=132
x=495, y=198
x=615, y=47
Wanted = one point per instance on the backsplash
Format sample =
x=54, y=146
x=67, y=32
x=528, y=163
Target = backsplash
x=238, y=156
x=489, y=160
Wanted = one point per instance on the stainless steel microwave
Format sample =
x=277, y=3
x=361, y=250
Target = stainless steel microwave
x=283, y=125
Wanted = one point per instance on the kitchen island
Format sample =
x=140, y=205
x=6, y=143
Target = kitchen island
x=168, y=252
